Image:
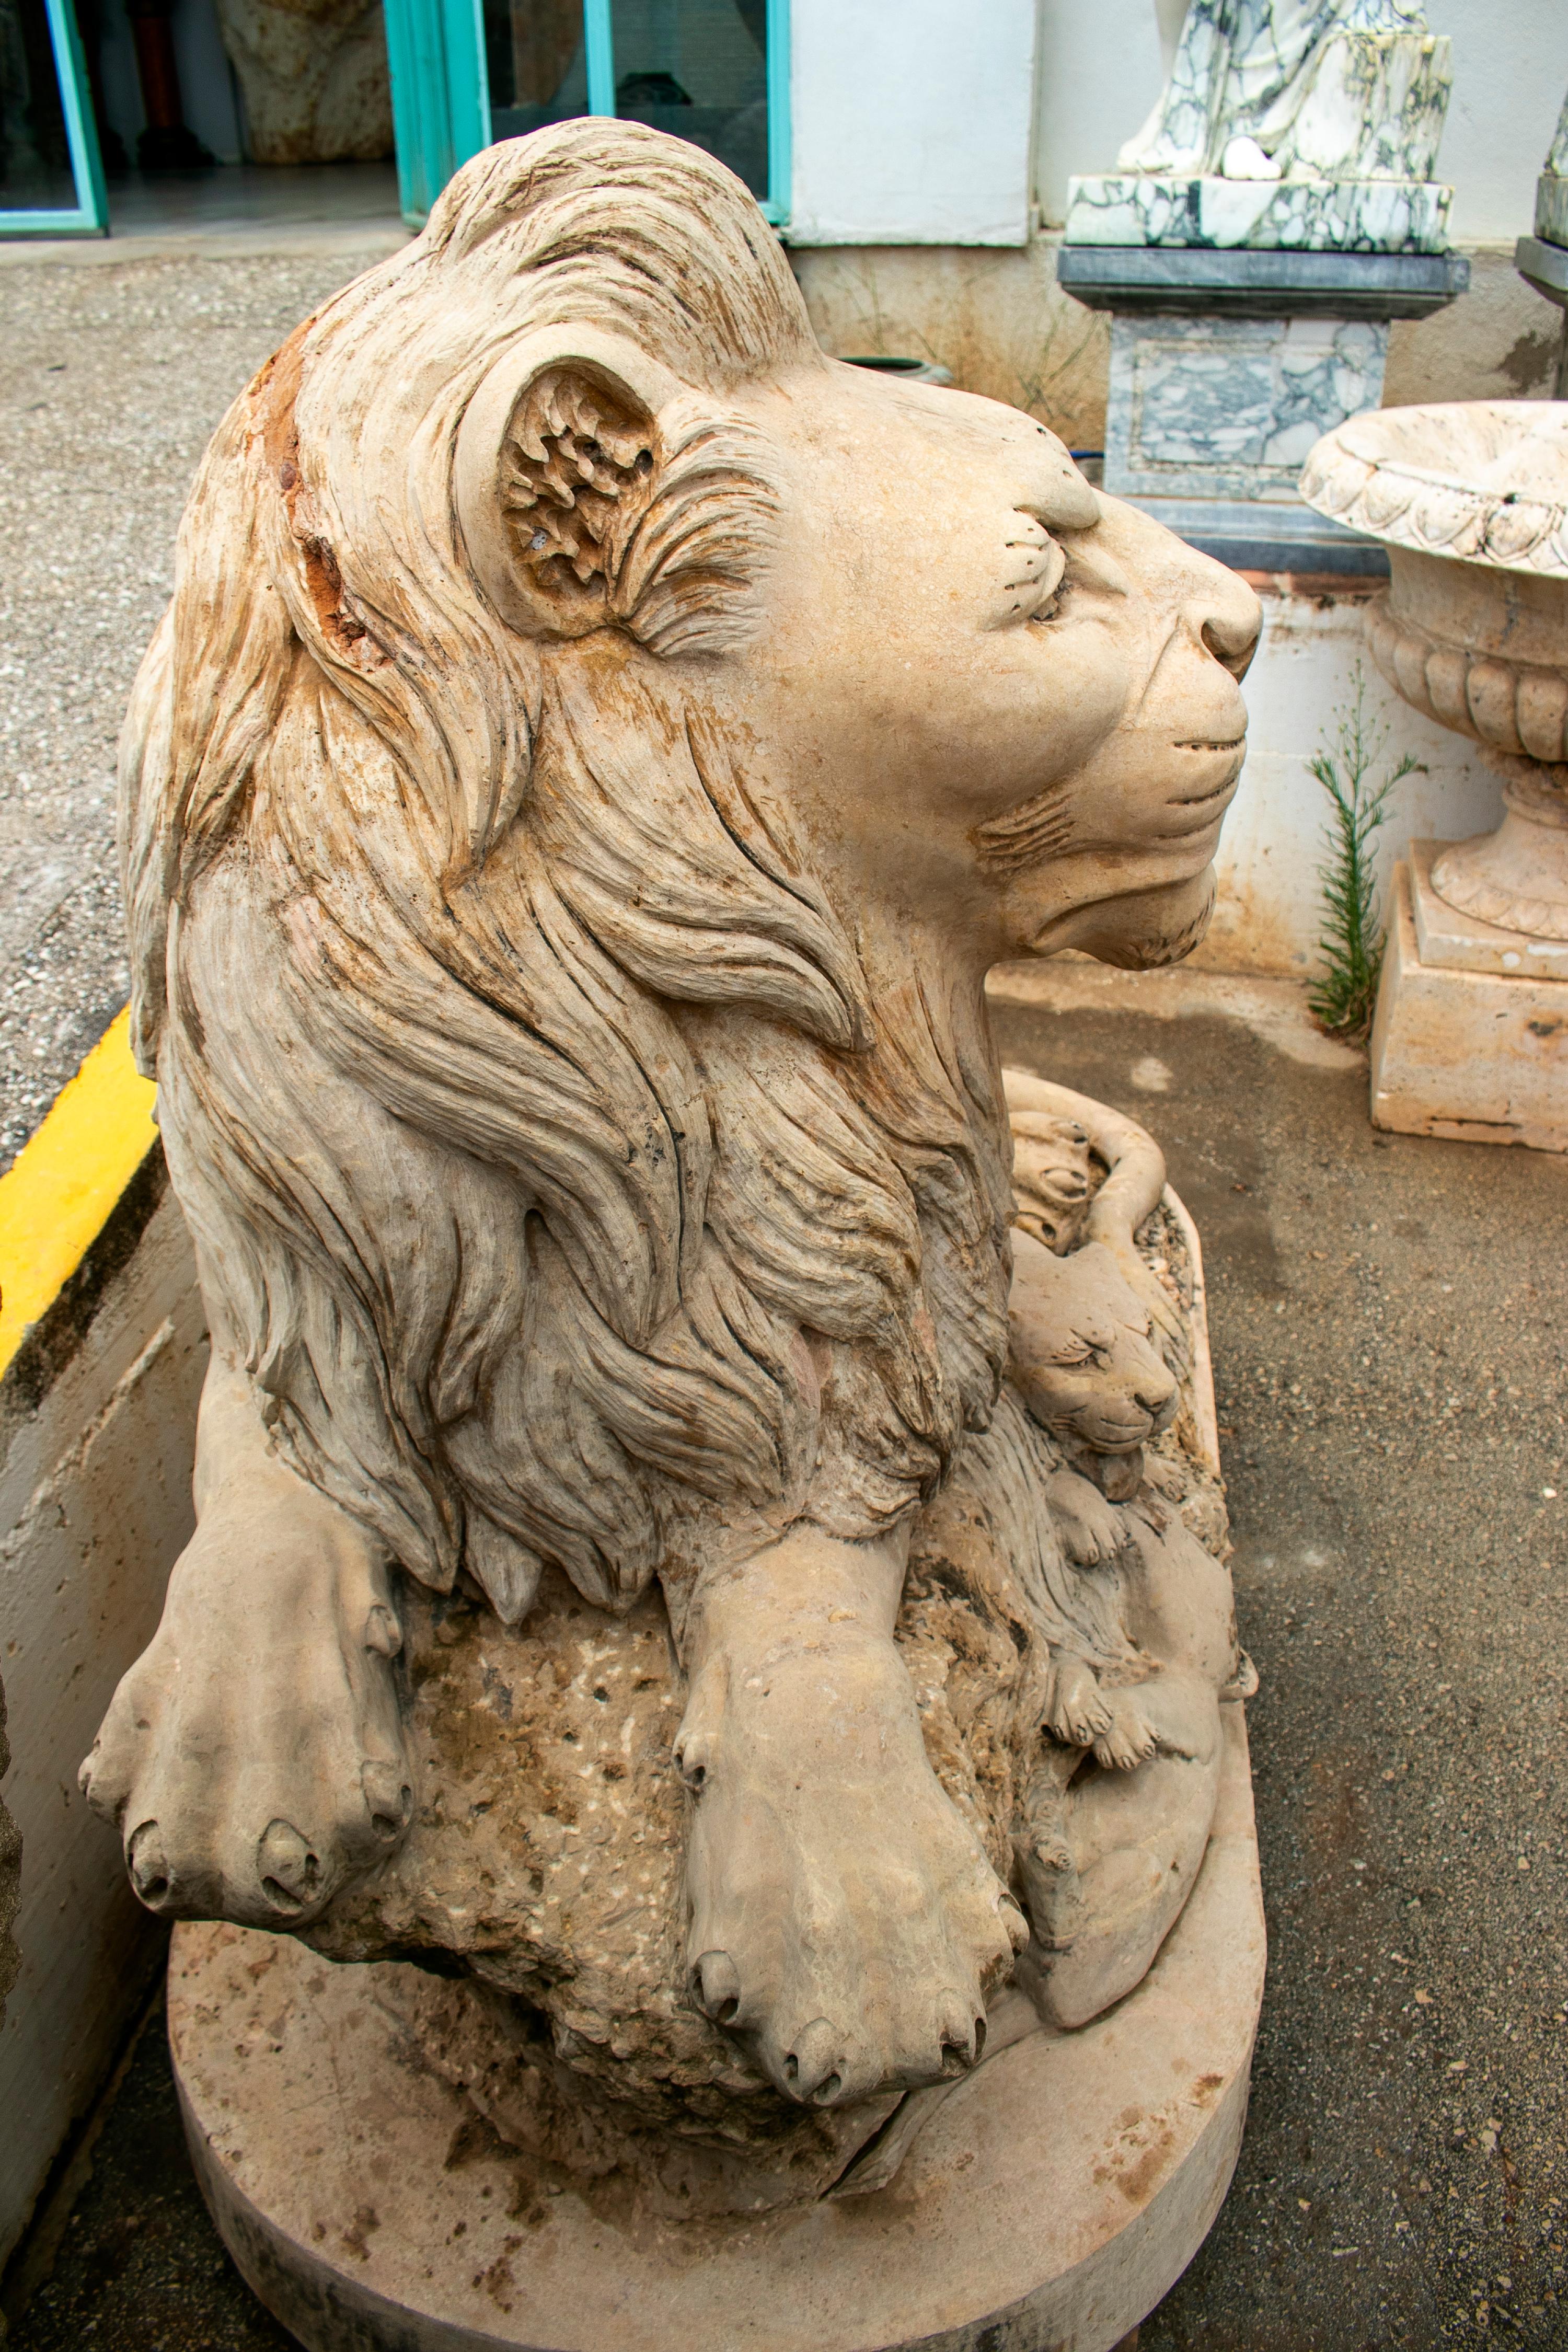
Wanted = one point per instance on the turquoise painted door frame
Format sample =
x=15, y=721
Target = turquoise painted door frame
x=89, y=216
x=440, y=94
x=441, y=98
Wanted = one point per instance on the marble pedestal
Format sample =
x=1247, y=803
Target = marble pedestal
x=1470, y=1041
x=1046, y=2204
x=1226, y=369
x=1541, y=260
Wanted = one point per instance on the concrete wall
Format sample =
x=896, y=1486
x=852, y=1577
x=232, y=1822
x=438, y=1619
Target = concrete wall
x=913, y=133
x=1273, y=843
x=95, y=1503
x=1003, y=327
x=999, y=321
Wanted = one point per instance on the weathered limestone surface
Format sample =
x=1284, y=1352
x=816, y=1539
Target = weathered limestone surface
x=709, y=1534
x=10, y=1876
x=1472, y=501
x=97, y=1418
x=1459, y=1048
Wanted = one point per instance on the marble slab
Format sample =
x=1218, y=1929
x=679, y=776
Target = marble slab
x=1267, y=535
x=1229, y=408
x=1304, y=215
x=1543, y=265
x=1261, y=282
x=1551, y=208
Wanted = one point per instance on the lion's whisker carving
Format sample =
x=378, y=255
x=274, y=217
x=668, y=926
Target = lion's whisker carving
x=686, y=1516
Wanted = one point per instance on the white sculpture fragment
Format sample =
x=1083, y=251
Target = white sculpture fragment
x=1292, y=124
x=314, y=78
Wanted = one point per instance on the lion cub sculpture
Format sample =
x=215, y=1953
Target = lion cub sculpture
x=673, y=1527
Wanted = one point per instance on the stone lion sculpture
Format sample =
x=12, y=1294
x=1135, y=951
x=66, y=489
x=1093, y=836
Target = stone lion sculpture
x=595, y=751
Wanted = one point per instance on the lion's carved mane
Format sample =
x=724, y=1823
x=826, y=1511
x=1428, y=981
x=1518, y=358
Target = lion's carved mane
x=551, y=1167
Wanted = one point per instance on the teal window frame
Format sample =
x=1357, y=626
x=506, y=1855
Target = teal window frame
x=89, y=216
x=441, y=96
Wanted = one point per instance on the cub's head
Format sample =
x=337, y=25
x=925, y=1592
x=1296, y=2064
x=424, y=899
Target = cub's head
x=1083, y=1354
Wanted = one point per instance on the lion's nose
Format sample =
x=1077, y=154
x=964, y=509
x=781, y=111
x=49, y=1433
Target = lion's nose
x=1229, y=617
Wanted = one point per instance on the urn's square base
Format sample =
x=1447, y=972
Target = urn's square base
x=1469, y=1048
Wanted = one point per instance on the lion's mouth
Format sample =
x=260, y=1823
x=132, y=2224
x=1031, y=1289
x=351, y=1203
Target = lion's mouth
x=1204, y=804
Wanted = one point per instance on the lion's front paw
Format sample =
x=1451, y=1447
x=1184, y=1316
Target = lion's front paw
x=253, y=1758
x=846, y=1923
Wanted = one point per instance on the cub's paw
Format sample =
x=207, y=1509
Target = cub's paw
x=1091, y=1529
x=1131, y=1739
x=1078, y=1713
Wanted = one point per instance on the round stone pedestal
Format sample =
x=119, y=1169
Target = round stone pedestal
x=1046, y=2204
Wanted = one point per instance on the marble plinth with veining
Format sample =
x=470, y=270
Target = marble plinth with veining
x=1228, y=408
x=1303, y=215
x=1552, y=188
x=1551, y=208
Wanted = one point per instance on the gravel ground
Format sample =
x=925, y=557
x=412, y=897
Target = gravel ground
x=1389, y=1328
x=111, y=378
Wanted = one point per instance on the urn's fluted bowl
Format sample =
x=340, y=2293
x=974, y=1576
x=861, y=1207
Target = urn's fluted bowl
x=1478, y=481
x=1470, y=498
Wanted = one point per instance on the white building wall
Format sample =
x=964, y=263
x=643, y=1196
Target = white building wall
x=911, y=125
x=1270, y=911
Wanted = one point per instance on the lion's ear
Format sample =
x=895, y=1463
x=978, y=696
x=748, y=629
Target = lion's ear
x=557, y=457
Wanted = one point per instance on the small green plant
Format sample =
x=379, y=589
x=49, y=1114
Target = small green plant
x=1351, y=939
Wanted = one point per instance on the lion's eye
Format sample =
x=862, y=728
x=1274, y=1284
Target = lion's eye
x=1073, y=1353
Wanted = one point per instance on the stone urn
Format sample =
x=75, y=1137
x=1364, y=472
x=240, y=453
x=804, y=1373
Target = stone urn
x=1470, y=498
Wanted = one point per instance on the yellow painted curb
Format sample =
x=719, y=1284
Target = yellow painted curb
x=56, y=1196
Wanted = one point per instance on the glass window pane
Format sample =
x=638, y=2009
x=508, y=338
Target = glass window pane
x=538, y=67
x=698, y=69
x=34, y=161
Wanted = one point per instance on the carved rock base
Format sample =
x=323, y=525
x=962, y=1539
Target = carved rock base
x=1471, y=1036
x=1049, y=2199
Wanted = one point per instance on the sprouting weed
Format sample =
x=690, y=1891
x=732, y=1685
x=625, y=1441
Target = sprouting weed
x=1351, y=939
